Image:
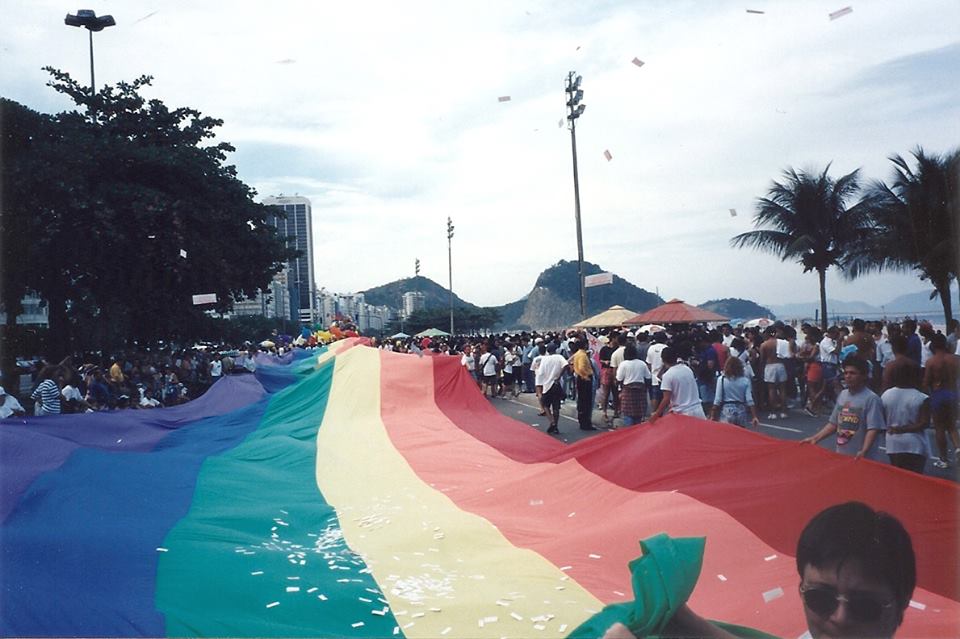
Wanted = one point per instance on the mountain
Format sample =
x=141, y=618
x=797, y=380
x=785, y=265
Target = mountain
x=736, y=308
x=435, y=296
x=916, y=304
x=554, y=301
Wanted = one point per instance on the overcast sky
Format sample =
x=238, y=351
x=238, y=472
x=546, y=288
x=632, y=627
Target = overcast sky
x=386, y=115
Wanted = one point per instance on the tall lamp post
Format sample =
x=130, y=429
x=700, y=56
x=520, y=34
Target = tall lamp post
x=88, y=19
x=450, y=266
x=574, y=95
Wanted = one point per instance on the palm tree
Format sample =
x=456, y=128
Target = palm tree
x=805, y=217
x=917, y=219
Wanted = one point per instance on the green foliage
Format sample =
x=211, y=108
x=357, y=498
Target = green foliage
x=806, y=218
x=107, y=199
x=465, y=320
x=562, y=278
x=917, y=222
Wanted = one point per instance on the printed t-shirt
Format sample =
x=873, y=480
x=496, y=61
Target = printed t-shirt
x=854, y=415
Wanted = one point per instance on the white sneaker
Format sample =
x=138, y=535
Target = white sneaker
x=772, y=416
x=939, y=463
x=783, y=415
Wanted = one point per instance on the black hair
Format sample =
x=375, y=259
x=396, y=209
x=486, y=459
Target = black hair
x=669, y=355
x=938, y=342
x=854, y=531
x=904, y=375
x=857, y=362
x=629, y=352
x=859, y=324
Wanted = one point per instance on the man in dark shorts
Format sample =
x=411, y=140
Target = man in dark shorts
x=552, y=367
x=940, y=379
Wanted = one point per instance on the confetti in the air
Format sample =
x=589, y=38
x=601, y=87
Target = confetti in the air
x=286, y=61
x=608, y=155
x=638, y=62
x=754, y=11
x=733, y=212
x=183, y=254
x=149, y=15
x=503, y=98
x=841, y=12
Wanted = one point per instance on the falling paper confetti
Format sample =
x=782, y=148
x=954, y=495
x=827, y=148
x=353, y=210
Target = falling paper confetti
x=638, y=62
x=754, y=11
x=503, y=98
x=183, y=254
x=733, y=212
x=149, y=15
x=841, y=12
x=770, y=595
x=286, y=61
x=560, y=123
x=607, y=155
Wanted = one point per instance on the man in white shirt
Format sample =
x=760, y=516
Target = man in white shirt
x=830, y=359
x=551, y=369
x=655, y=363
x=679, y=387
x=9, y=405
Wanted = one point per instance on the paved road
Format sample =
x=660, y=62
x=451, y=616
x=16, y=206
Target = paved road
x=795, y=427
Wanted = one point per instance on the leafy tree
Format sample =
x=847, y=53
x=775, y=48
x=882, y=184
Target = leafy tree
x=466, y=320
x=117, y=194
x=806, y=217
x=917, y=221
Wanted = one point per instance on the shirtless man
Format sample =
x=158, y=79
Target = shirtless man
x=940, y=380
x=774, y=374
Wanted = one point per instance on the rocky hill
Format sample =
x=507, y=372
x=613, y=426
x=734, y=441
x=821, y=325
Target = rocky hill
x=554, y=301
x=435, y=296
x=736, y=308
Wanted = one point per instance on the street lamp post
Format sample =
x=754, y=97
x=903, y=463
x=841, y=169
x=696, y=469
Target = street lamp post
x=450, y=266
x=88, y=19
x=574, y=95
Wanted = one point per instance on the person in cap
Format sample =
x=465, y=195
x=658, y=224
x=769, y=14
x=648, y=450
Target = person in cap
x=9, y=405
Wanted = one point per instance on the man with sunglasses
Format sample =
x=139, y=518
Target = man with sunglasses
x=857, y=573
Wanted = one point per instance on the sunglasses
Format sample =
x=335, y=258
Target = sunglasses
x=862, y=608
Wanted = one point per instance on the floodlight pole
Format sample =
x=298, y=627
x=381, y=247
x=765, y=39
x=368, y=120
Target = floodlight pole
x=574, y=95
x=450, y=267
x=88, y=20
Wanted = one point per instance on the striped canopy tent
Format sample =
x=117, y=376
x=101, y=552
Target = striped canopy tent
x=613, y=316
x=676, y=312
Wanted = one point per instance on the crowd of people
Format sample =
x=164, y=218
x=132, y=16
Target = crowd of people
x=869, y=377
x=89, y=382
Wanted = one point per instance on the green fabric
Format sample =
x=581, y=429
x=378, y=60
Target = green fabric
x=663, y=579
x=206, y=584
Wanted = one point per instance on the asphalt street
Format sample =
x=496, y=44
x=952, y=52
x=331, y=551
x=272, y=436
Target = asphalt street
x=795, y=427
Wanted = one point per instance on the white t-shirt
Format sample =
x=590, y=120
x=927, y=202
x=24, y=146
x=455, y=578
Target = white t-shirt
x=489, y=363
x=654, y=362
x=901, y=406
x=469, y=362
x=216, y=368
x=783, y=349
x=684, y=395
x=925, y=353
x=71, y=394
x=616, y=358
x=551, y=366
x=632, y=371
x=728, y=339
x=535, y=367
x=9, y=405
x=827, y=346
x=509, y=359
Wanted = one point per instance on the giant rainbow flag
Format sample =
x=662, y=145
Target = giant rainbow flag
x=351, y=492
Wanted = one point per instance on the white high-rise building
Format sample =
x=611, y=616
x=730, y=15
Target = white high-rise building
x=413, y=301
x=295, y=224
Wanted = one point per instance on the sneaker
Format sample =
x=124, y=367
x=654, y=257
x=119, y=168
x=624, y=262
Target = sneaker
x=772, y=416
x=783, y=415
x=587, y=428
x=553, y=430
x=939, y=463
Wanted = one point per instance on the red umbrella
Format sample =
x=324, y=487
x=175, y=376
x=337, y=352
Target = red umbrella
x=676, y=312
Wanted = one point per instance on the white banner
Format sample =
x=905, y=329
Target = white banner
x=206, y=298
x=598, y=280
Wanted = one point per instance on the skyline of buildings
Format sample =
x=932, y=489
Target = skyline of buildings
x=296, y=225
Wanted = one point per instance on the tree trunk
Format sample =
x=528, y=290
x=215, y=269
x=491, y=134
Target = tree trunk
x=945, y=299
x=822, y=274
x=58, y=337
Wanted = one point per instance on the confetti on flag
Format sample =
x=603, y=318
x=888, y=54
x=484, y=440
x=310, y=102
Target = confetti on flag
x=841, y=12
